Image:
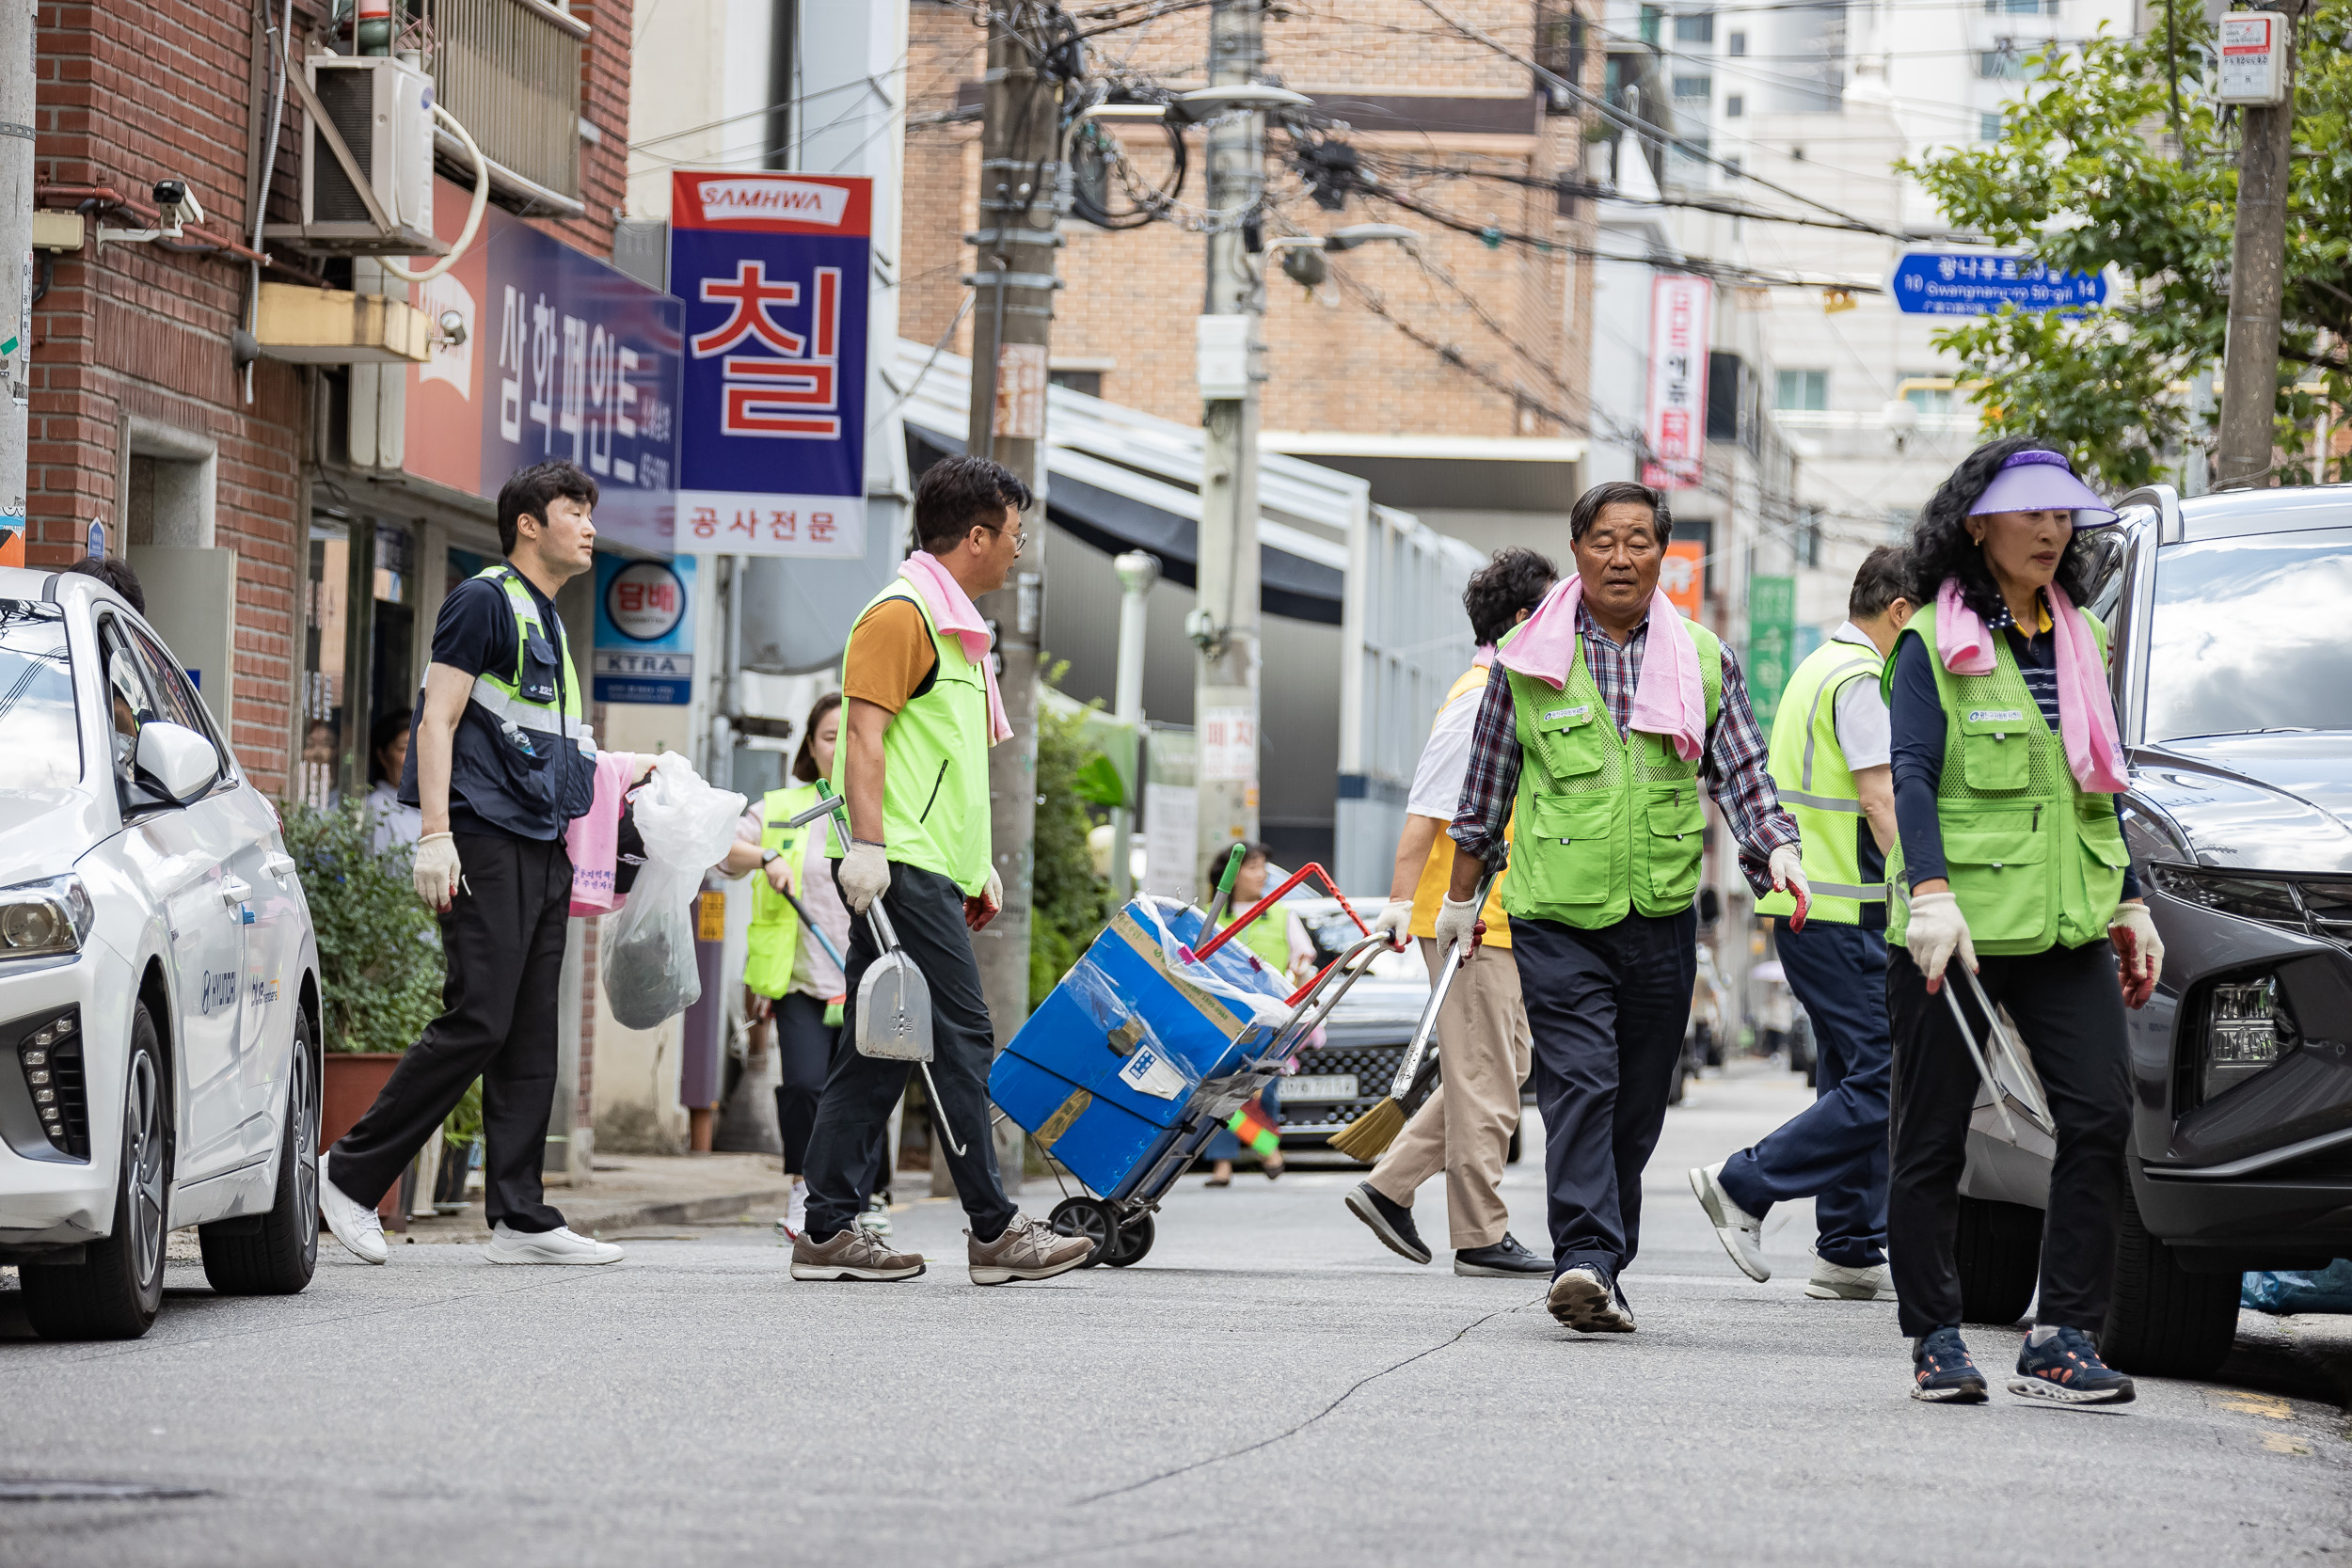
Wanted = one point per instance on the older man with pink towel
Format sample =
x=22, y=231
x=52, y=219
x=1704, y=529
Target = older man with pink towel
x=1613, y=711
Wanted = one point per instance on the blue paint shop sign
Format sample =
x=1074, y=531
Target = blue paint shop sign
x=1980, y=282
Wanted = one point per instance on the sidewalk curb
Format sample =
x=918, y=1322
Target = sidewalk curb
x=700, y=1210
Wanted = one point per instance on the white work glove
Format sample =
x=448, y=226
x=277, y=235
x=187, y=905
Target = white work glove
x=437, y=870
x=865, y=875
x=978, y=912
x=1457, y=918
x=2134, y=932
x=1395, y=915
x=1937, y=930
x=993, y=894
x=1786, y=866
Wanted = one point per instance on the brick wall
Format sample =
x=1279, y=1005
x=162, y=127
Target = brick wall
x=1335, y=363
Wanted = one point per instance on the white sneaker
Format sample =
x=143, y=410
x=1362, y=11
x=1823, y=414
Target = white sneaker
x=561, y=1245
x=795, y=1216
x=1839, y=1282
x=1741, y=1233
x=361, y=1229
x=877, y=1217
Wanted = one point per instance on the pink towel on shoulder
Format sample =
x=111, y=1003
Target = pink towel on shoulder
x=953, y=612
x=1669, y=699
x=2086, y=725
x=594, y=839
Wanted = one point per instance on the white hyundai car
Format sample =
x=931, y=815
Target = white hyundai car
x=159, y=998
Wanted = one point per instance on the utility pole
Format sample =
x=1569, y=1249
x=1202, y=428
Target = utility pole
x=2249, y=364
x=16, y=254
x=1011, y=320
x=1224, y=622
x=1136, y=571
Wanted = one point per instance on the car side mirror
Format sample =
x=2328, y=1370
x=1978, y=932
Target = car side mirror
x=182, y=763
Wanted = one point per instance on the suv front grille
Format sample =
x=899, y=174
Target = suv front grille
x=1375, y=1067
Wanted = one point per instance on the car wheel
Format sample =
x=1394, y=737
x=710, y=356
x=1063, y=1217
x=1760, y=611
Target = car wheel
x=1997, y=1250
x=2162, y=1319
x=115, y=1293
x=275, y=1254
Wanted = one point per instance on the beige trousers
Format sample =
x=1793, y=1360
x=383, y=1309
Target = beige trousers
x=1464, y=1128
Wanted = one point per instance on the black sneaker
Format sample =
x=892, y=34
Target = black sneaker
x=2065, y=1369
x=1506, y=1258
x=1941, y=1372
x=1391, y=1222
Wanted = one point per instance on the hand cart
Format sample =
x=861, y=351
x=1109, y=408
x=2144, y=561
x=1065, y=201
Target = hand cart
x=1143, y=1053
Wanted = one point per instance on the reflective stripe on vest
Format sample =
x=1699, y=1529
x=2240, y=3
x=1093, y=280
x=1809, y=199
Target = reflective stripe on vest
x=936, y=807
x=501, y=697
x=2035, y=860
x=1607, y=822
x=1810, y=773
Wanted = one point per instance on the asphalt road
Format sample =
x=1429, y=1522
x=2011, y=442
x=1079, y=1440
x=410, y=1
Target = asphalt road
x=1269, y=1385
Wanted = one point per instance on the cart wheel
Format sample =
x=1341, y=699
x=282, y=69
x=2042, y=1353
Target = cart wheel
x=1134, y=1240
x=1089, y=1217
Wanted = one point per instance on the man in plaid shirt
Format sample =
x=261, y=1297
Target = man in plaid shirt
x=1607, y=866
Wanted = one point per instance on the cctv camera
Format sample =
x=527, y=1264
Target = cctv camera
x=453, y=328
x=176, y=204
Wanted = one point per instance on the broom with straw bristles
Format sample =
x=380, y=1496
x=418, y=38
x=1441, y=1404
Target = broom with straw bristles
x=1369, y=1136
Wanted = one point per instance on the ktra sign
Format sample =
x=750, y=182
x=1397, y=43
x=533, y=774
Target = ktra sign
x=773, y=269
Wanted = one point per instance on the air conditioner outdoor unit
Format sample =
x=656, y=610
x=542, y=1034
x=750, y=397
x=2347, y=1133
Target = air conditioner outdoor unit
x=367, y=159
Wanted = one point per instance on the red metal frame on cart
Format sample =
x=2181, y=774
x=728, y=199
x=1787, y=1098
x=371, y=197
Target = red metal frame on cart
x=1310, y=869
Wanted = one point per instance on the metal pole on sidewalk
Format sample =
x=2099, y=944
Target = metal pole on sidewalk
x=1138, y=570
x=16, y=250
x=2249, y=393
x=1224, y=622
x=1011, y=321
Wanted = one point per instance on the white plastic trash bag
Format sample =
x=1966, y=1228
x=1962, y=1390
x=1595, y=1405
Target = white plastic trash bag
x=648, y=952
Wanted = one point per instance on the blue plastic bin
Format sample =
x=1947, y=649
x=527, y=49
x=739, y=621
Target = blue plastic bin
x=1102, y=1074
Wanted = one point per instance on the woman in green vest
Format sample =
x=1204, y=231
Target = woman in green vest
x=1255, y=1128
x=2007, y=773
x=792, y=970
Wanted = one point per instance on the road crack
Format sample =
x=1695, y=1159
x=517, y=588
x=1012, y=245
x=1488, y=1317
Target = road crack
x=1346, y=1394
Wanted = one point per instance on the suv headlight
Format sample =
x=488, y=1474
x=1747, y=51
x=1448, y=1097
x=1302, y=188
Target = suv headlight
x=44, y=920
x=2268, y=900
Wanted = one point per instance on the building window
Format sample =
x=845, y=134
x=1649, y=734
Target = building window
x=1801, y=391
x=1699, y=88
x=1927, y=400
x=2020, y=8
x=1651, y=16
x=2003, y=64
x=1989, y=125
x=1739, y=43
x=1734, y=106
x=1695, y=27
x=1809, y=537
x=1088, y=382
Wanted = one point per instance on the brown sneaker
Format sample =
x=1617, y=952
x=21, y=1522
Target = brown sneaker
x=853, y=1253
x=1028, y=1249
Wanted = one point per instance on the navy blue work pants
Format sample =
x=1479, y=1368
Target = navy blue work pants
x=1606, y=1010
x=1835, y=1150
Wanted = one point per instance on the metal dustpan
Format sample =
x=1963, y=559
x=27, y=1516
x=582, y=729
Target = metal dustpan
x=894, y=1001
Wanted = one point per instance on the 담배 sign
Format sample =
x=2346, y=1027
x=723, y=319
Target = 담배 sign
x=773, y=269
x=644, y=631
x=1676, y=419
x=1980, y=282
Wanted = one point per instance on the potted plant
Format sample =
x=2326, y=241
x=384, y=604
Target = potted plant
x=380, y=966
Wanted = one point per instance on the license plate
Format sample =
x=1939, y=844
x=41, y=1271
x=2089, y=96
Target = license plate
x=1329, y=1085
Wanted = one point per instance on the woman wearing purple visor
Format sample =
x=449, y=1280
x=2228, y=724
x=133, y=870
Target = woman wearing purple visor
x=2010, y=855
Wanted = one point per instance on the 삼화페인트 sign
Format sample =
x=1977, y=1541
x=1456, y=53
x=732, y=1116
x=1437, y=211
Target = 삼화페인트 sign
x=1980, y=282
x=773, y=269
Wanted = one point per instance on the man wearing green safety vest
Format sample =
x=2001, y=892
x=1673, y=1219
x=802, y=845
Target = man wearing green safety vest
x=918, y=684
x=498, y=765
x=1613, y=713
x=1830, y=760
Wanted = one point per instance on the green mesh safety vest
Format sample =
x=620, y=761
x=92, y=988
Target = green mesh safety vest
x=1607, y=822
x=2035, y=860
x=511, y=701
x=1269, y=936
x=774, y=939
x=935, y=811
x=1809, y=769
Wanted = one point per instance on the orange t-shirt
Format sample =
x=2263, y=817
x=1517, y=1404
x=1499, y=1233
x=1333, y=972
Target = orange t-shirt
x=891, y=656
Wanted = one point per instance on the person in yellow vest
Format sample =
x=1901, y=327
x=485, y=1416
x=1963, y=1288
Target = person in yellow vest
x=921, y=711
x=1829, y=761
x=1464, y=1128
x=1280, y=940
x=2008, y=775
x=1612, y=712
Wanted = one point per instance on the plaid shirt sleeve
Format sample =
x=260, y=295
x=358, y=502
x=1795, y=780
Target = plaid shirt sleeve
x=1736, y=777
x=1493, y=777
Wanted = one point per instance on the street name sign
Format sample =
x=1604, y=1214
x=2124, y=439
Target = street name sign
x=1980, y=282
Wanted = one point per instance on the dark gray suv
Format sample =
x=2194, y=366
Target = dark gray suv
x=2233, y=676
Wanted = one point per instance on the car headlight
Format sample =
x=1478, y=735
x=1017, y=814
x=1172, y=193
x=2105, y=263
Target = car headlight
x=2269, y=899
x=2247, y=1031
x=45, y=919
